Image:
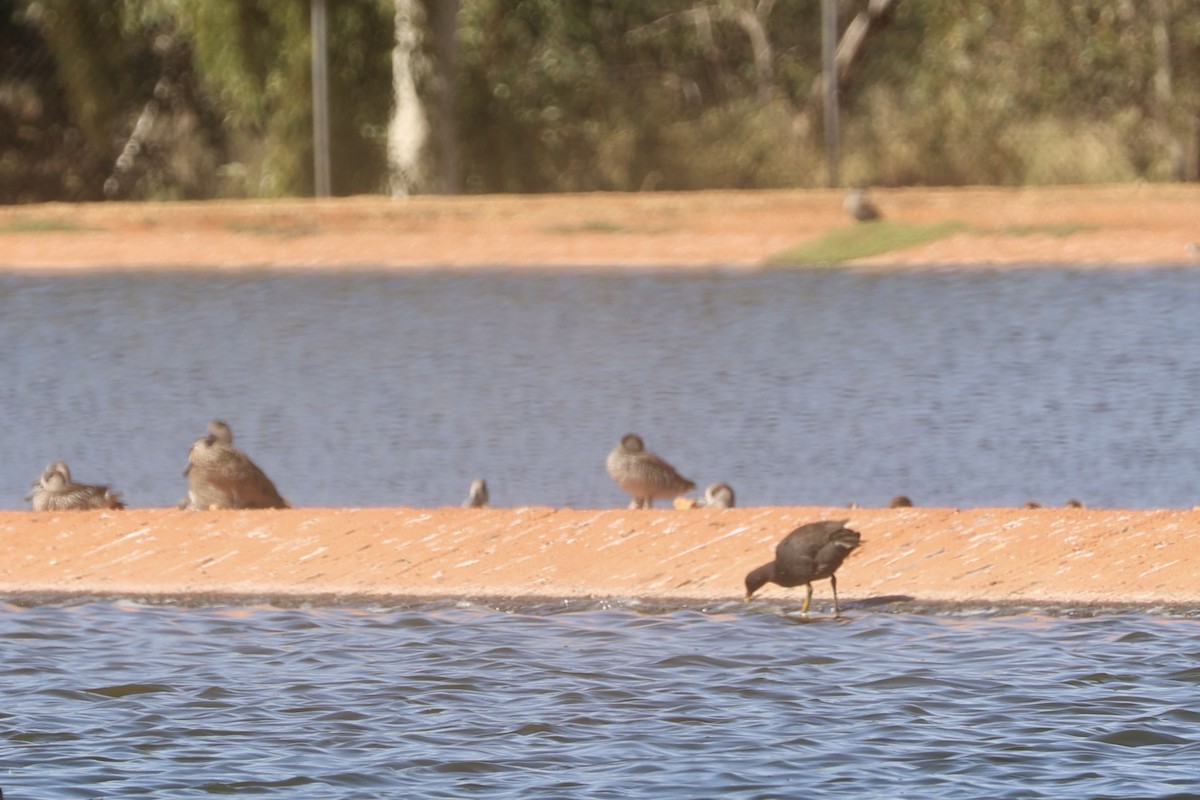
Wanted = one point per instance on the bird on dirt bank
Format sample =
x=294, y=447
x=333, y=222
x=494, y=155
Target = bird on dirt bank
x=719, y=495
x=900, y=501
x=859, y=206
x=644, y=476
x=810, y=553
x=478, y=495
x=54, y=491
x=221, y=476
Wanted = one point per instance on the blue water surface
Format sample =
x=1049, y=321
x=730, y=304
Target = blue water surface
x=571, y=700
x=796, y=387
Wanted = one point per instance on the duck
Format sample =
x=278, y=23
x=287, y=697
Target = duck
x=221, y=476
x=643, y=475
x=55, y=491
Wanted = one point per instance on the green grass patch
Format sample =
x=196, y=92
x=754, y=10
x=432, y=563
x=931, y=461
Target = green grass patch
x=42, y=225
x=865, y=239
x=873, y=238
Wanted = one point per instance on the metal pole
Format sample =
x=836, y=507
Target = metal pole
x=320, y=100
x=830, y=76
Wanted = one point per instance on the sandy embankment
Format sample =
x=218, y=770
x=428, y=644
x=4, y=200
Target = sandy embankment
x=988, y=555
x=927, y=554
x=1088, y=225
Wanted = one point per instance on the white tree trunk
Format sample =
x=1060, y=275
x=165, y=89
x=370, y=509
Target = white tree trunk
x=408, y=129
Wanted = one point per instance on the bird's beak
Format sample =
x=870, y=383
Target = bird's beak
x=746, y=599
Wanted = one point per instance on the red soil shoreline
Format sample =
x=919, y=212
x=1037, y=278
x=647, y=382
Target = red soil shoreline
x=1121, y=226
x=994, y=556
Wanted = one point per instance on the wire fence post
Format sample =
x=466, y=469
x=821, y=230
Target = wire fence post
x=320, y=99
x=830, y=76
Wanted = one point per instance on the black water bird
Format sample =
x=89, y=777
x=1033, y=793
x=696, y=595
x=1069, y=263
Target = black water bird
x=810, y=553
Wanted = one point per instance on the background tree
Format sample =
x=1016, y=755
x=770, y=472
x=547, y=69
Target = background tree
x=209, y=98
x=254, y=59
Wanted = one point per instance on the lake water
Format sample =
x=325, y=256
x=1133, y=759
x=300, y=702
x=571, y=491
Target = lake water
x=119, y=700
x=797, y=387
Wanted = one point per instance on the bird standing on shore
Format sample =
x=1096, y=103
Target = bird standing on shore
x=719, y=495
x=221, y=476
x=859, y=206
x=644, y=476
x=54, y=491
x=810, y=553
x=478, y=495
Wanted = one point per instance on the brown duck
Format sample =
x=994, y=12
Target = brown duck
x=221, y=476
x=55, y=491
x=644, y=476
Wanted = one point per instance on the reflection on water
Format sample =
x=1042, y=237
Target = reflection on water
x=795, y=387
x=446, y=701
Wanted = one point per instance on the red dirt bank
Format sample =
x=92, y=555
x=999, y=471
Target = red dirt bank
x=977, y=555
x=1126, y=225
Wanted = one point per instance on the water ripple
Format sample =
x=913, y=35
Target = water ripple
x=959, y=389
x=446, y=700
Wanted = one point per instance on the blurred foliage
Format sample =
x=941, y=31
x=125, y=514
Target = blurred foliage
x=624, y=95
x=210, y=98
x=254, y=59
x=53, y=133
x=1029, y=91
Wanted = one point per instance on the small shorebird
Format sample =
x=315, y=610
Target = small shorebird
x=54, y=491
x=644, y=476
x=478, y=496
x=859, y=206
x=719, y=495
x=221, y=476
x=900, y=501
x=810, y=553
